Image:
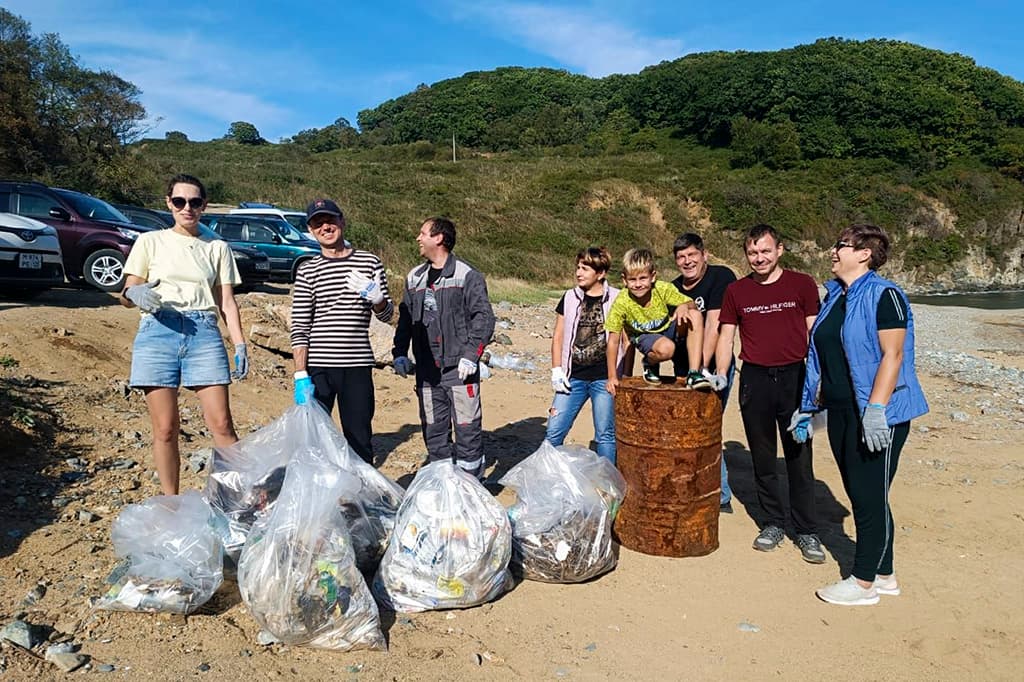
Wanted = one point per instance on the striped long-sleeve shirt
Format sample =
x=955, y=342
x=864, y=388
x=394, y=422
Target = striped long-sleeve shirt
x=329, y=318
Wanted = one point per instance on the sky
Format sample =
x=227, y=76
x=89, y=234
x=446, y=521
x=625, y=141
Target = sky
x=289, y=66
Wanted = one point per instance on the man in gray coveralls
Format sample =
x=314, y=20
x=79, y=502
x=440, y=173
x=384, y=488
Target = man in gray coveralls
x=447, y=317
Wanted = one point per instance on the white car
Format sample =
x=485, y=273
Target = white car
x=296, y=218
x=30, y=257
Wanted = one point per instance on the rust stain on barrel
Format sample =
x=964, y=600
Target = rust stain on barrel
x=669, y=450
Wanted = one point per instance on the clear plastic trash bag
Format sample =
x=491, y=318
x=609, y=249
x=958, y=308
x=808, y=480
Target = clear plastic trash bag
x=567, y=499
x=245, y=481
x=172, y=555
x=451, y=545
x=297, y=573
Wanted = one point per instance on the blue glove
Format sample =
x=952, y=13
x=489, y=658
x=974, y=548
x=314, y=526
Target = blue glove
x=876, y=428
x=303, y=388
x=402, y=366
x=241, y=362
x=467, y=368
x=801, y=427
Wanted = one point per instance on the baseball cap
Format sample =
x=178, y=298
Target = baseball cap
x=322, y=206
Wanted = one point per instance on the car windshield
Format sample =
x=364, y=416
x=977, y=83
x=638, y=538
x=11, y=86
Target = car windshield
x=285, y=229
x=298, y=222
x=91, y=207
x=208, y=234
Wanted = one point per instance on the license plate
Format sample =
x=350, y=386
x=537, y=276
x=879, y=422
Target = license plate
x=263, y=266
x=30, y=261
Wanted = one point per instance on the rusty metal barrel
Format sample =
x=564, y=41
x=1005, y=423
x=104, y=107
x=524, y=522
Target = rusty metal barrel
x=669, y=450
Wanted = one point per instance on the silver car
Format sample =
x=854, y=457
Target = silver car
x=30, y=257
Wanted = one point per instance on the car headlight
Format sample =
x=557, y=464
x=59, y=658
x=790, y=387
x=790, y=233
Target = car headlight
x=240, y=256
x=130, y=235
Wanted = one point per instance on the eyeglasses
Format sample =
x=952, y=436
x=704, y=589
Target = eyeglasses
x=195, y=203
x=316, y=222
x=841, y=244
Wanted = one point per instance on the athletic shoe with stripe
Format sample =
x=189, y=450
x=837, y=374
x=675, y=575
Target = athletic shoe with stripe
x=848, y=593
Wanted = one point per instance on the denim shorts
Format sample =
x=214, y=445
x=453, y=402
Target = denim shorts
x=175, y=349
x=645, y=342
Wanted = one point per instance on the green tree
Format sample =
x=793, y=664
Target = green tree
x=175, y=136
x=244, y=132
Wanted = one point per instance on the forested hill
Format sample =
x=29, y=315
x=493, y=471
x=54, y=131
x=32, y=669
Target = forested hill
x=831, y=99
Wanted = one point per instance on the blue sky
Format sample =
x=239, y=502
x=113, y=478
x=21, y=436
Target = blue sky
x=286, y=66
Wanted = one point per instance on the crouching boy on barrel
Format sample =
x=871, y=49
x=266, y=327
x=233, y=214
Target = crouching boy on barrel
x=650, y=314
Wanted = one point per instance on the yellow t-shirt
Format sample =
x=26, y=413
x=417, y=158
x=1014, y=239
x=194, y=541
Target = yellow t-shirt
x=189, y=268
x=652, y=318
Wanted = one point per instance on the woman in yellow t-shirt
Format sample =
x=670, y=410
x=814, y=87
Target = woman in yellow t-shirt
x=183, y=283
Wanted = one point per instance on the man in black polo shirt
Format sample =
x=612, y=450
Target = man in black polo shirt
x=705, y=284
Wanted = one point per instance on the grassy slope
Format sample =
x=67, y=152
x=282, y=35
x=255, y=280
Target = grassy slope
x=524, y=216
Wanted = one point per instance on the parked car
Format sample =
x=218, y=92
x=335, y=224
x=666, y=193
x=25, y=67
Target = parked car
x=253, y=265
x=296, y=219
x=95, y=238
x=286, y=247
x=30, y=258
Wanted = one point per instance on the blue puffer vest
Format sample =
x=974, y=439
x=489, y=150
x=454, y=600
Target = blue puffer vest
x=863, y=351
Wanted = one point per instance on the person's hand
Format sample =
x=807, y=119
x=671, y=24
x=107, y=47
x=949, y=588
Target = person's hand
x=876, y=428
x=303, y=388
x=800, y=426
x=241, y=362
x=718, y=381
x=367, y=288
x=611, y=384
x=467, y=368
x=402, y=366
x=144, y=296
x=559, y=381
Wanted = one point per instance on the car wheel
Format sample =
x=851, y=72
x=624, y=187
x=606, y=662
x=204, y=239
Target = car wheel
x=104, y=269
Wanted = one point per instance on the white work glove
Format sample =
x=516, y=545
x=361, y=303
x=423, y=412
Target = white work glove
x=402, y=366
x=718, y=381
x=368, y=289
x=559, y=381
x=467, y=368
x=144, y=296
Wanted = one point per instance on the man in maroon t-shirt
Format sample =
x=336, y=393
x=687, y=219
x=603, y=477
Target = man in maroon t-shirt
x=774, y=310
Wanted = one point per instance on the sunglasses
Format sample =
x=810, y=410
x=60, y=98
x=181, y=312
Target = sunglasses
x=195, y=203
x=841, y=244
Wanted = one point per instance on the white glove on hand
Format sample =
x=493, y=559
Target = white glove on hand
x=718, y=381
x=368, y=289
x=144, y=296
x=467, y=368
x=559, y=381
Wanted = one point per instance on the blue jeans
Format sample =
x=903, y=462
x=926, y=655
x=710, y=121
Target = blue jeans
x=566, y=406
x=175, y=349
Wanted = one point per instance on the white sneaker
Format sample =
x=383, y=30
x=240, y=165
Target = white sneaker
x=848, y=593
x=887, y=586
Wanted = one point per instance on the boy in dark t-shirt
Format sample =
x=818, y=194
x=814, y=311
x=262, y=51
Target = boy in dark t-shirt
x=579, y=370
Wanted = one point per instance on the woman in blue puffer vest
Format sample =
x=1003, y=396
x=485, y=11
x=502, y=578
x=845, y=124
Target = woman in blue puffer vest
x=860, y=367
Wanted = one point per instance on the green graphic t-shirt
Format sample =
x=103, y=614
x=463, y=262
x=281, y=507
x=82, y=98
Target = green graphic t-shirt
x=655, y=317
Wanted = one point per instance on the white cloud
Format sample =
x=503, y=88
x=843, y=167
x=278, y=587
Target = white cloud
x=578, y=37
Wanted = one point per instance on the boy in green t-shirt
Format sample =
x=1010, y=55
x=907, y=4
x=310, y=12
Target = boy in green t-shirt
x=646, y=316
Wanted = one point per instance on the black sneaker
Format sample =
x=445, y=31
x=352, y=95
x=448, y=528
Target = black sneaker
x=696, y=381
x=651, y=375
x=769, y=538
x=725, y=508
x=810, y=548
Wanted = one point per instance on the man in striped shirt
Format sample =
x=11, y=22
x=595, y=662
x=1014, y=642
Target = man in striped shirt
x=334, y=295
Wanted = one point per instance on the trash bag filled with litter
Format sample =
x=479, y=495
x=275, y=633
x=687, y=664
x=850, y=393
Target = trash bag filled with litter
x=451, y=545
x=245, y=481
x=297, y=573
x=562, y=520
x=172, y=555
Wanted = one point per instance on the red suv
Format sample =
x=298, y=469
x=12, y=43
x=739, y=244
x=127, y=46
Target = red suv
x=94, y=236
